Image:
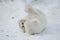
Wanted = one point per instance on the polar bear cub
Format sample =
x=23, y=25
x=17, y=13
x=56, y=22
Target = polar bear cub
x=34, y=22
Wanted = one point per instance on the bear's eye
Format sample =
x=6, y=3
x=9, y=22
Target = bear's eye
x=22, y=23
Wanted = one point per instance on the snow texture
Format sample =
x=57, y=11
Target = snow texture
x=11, y=11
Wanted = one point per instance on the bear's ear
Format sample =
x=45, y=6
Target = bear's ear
x=29, y=6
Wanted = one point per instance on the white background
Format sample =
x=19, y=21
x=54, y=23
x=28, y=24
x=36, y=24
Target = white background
x=12, y=11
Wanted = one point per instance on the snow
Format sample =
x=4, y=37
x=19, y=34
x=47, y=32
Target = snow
x=12, y=12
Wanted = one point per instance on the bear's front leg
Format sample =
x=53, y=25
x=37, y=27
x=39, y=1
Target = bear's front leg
x=30, y=26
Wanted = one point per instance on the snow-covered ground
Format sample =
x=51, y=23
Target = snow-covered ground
x=12, y=12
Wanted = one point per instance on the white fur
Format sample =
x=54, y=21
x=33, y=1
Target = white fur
x=35, y=20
